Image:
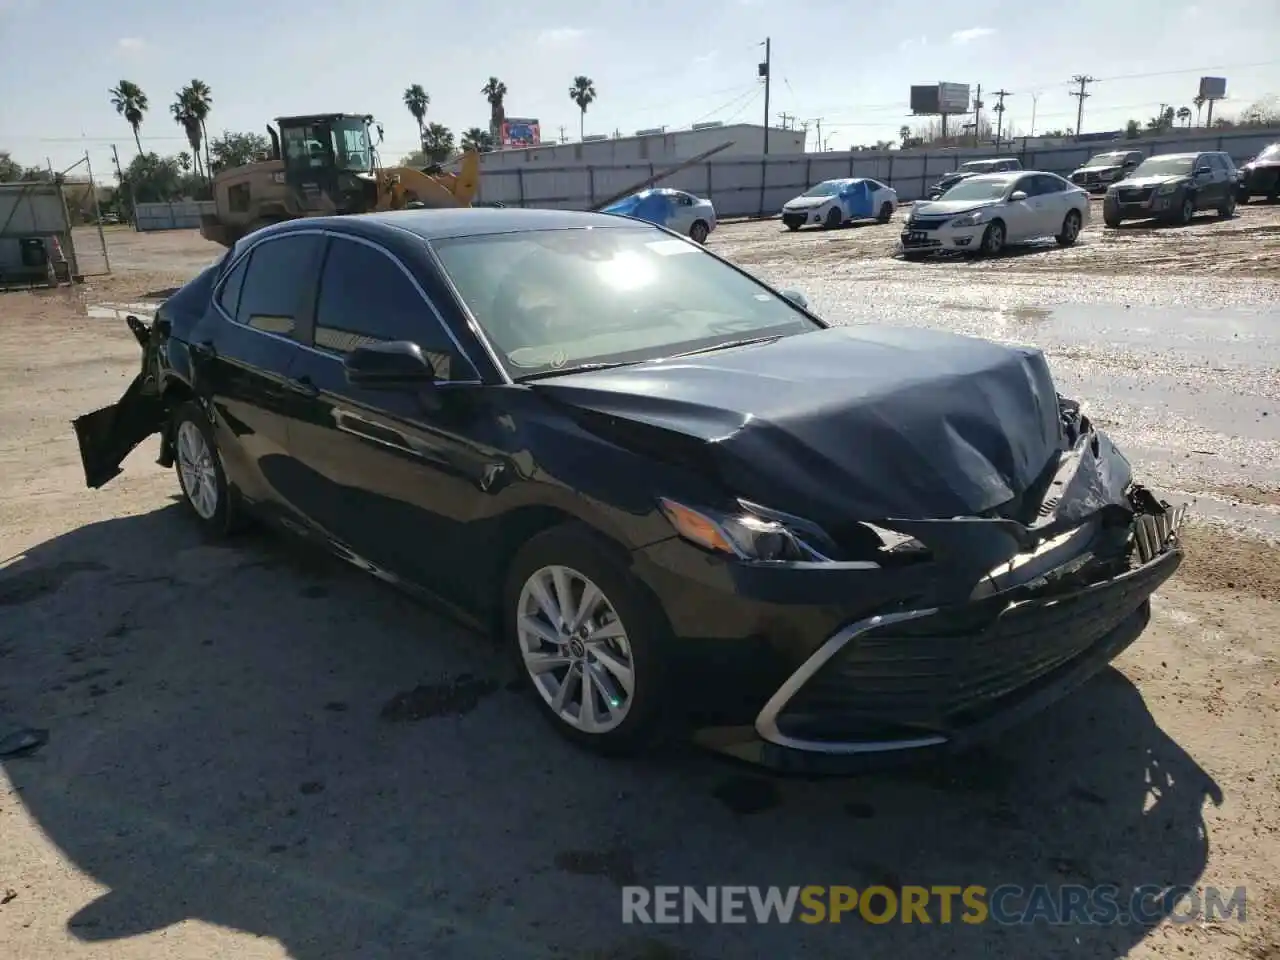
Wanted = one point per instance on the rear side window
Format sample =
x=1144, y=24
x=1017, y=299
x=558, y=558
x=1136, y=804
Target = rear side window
x=280, y=274
x=229, y=298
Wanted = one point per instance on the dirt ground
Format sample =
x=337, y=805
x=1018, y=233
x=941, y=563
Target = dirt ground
x=259, y=753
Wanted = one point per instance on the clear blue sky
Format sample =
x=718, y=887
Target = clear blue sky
x=666, y=63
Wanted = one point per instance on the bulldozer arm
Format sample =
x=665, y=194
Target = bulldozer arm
x=406, y=185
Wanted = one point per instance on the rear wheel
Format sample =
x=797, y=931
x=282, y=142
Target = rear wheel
x=698, y=232
x=834, y=218
x=993, y=238
x=204, y=485
x=886, y=212
x=1070, y=229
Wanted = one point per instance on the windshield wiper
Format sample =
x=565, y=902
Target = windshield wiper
x=580, y=368
x=728, y=344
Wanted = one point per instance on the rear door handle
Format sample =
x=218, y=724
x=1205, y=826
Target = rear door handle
x=304, y=386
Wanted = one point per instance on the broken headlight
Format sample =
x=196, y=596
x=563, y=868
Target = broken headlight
x=741, y=535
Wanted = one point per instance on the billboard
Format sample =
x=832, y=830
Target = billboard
x=1213, y=88
x=931, y=99
x=953, y=98
x=520, y=132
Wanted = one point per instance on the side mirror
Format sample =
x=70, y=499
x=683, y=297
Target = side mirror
x=1018, y=195
x=798, y=298
x=398, y=363
x=1202, y=171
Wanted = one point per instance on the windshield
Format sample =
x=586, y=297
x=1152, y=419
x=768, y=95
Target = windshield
x=978, y=188
x=1270, y=153
x=979, y=166
x=1106, y=160
x=555, y=299
x=1164, y=167
x=827, y=189
x=351, y=145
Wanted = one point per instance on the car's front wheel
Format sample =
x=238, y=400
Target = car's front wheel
x=993, y=238
x=834, y=218
x=1070, y=229
x=1185, y=213
x=1228, y=208
x=698, y=232
x=204, y=485
x=588, y=641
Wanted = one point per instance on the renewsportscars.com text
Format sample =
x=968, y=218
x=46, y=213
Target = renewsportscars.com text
x=1006, y=904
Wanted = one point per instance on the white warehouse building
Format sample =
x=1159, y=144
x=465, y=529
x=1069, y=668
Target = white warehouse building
x=649, y=147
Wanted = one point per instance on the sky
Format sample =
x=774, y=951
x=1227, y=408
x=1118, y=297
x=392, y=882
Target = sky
x=657, y=63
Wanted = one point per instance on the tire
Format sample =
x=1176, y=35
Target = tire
x=1228, y=208
x=698, y=232
x=834, y=219
x=205, y=491
x=793, y=226
x=1070, y=229
x=1111, y=221
x=585, y=557
x=1187, y=212
x=886, y=212
x=914, y=255
x=992, y=239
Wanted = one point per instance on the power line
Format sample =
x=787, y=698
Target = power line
x=1084, y=80
x=744, y=95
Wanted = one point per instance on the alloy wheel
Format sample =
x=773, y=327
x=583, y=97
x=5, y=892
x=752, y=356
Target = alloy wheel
x=993, y=239
x=576, y=650
x=1071, y=229
x=196, y=467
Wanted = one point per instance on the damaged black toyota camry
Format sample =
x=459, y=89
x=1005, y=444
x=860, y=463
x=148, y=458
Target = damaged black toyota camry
x=683, y=501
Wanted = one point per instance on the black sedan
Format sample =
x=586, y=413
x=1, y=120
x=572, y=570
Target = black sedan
x=1260, y=177
x=681, y=499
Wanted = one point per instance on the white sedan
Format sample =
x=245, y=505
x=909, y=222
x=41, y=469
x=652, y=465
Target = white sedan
x=832, y=202
x=985, y=213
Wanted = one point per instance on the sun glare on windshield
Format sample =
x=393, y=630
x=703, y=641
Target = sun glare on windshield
x=627, y=270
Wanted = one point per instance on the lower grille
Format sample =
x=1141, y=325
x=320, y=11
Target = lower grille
x=1136, y=194
x=946, y=670
x=922, y=224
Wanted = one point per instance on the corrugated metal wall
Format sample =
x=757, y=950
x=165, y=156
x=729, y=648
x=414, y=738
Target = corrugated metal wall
x=178, y=215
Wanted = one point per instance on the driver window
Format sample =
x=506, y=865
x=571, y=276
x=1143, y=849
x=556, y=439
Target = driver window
x=685, y=200
x=366, y=298
x=1026, y=185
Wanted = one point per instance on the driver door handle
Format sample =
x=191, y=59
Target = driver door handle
x=304, y=386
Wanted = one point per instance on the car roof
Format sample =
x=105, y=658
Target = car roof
x=455, y=222
x=999, y=175
x=1180, y=156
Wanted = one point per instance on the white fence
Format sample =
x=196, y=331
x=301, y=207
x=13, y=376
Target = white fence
x=177, y=215
x=759, y=186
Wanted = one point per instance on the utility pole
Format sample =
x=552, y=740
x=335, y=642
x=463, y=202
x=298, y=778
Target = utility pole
x=1035, y=99
x=1001, y=93
x=977, y=113
x=764, y=71
x=1084, y=80
x=786, y=120
x=563, y=138
x=817, y=122
x=97, y=212
x=124, y=185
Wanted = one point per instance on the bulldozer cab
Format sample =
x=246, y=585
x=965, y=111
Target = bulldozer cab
x=329, y=162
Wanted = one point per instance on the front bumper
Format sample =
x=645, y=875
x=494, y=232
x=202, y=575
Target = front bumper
x=941, y=239
x=1141, y=204
x=918, y=678
x=801, y=218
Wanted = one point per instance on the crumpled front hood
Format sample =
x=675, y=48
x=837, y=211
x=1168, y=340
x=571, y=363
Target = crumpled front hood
x=949, y=208
x=806, y=203
x=850, y=423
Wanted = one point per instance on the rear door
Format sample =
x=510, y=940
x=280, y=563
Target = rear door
x=393, y=476
x=1052, y=203
x=243, y=354
x=1207, y=182
x=681, y=220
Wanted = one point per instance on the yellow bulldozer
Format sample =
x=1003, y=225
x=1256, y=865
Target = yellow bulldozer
x=327, y=164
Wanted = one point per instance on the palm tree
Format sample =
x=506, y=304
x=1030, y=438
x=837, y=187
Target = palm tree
x=437, y=142
x=495, y=91
x=417, y=100
x=131, y=103
x=200, y=99
x=1184, y=114
x=904, y=132
x=478, y=140
x=184, y=162
x=1199, y=102
x=583, y=93
x=184, y=116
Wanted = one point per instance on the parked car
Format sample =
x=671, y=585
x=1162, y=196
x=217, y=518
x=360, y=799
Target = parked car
x=674, y=209
x=649, y=471
x=972, y=168
x=1173, y=187
x=1260, y=177
x=835, y=202
x=1105, y=169
x=985, y=213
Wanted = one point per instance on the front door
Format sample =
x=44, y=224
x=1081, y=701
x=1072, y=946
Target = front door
x=243, y=351
x=1023, y=217
x=394, y=472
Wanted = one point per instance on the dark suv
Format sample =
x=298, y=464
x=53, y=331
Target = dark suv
x=1105, y=169
x=1173, y=187
x=971, y=169
x=1260, y=177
